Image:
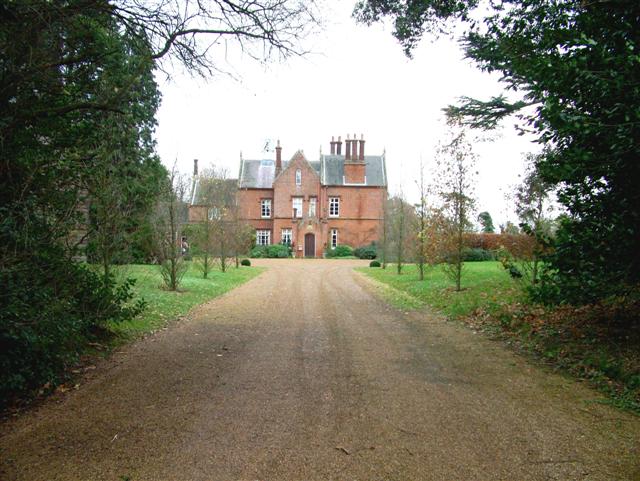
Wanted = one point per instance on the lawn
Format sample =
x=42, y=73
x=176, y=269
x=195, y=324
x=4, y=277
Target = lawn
x=484, y=284
x=164, y=305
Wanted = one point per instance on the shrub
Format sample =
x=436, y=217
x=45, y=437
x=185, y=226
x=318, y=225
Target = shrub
x=272, y=251
x=366, y=252
x=374, y=264
x=48, y=313
x=278, y=251
x=258, y=252
x=341, y=250
x=245, y=262
x=477, y=255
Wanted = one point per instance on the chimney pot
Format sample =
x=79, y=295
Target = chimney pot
x=361, y=148
x=339, y=144
x=347, y=142
x=195, y=167
x=278, y=158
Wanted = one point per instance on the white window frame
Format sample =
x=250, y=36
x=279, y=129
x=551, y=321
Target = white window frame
x=297, y=212
x=262, y=236
x=334, y=238
x=265, y=208
x=298, y=176
x=286, y=236
x=313, y=203
x=334, y=206
x=213, y=213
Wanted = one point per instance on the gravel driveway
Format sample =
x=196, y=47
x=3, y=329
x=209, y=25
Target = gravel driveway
x=304, y=374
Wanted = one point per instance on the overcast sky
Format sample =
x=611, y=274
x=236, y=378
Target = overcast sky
x=356, y=81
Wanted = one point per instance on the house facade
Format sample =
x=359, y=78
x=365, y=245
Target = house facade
x=315, y=205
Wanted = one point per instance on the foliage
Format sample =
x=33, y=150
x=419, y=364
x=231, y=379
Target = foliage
x=486, y=222
x=45, y=325
x=374, y=264
x=477, y=255
x=272, y=251
x=574, y=67
x=399, y=217
x=341, y=250
x=366, y=252
x=245, y=262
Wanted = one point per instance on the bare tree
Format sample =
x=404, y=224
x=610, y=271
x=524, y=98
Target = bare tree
x=420, y=227
x=456, y=165
x=400, y=216
x=197, y=34
x=169, y=222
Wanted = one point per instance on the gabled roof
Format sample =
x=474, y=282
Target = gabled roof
x=218, y=192
x=260, y=174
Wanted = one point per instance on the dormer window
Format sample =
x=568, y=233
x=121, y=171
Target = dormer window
x=298, y=177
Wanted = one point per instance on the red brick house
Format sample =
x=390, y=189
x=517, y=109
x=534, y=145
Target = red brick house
x=314, y=205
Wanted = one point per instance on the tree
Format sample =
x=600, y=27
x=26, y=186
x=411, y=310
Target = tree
x=573, y=70
x=421, y=225
x=533, y=206
x=171, y=214
x=486, y=222
x=456, y=163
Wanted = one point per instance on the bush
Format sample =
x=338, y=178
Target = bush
x=374, y=264
x=273, y=251
x=48, y=313
x=341, y=250
x=478, y=255
x=245, y=262
x=366, y=252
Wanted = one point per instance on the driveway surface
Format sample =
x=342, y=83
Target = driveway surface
x=305, y=374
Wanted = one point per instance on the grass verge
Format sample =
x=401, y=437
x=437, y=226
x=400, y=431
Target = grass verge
x=164, y=305
x=598, y=343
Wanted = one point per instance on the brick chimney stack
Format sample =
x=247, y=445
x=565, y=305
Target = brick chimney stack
x=278, y=158
x=333, y=146
x=347, y=155
x=339, y=145
x=354, y=165
x=195, y=167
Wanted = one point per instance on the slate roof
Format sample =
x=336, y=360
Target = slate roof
x=259, y=174
x=198, y=191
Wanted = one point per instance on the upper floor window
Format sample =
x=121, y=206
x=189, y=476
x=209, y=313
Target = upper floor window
x=312, y=206
x=334, y=206
x=265, y=207
x=298, y=177
x=286, y=236
x=263, y=237
x=334, y=238
x=297, y=207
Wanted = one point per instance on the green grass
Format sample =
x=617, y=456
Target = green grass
x=484, y=284
x=163, y=305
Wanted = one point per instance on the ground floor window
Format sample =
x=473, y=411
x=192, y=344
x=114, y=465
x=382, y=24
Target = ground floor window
x=263, y=237
x=334, y=238
x=286, y=236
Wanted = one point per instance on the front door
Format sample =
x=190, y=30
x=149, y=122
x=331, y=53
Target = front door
x=309, y=245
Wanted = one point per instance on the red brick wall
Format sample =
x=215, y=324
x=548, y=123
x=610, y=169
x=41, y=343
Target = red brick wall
x=249, y=202
x=354, y=173
x=285, y=188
